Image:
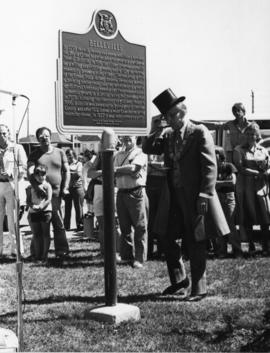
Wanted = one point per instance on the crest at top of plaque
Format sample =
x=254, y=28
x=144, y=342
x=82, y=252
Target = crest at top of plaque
x=105, y=24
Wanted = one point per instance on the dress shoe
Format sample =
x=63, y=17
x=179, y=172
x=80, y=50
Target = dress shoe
x=251, y=249
x=176, y=287
x=118, y=258
x=266, y=253
x=29, y=258
x=137, y=264
x=196, y=298
x=237, y=254
x=45, y=262
x=62, y=255
x=79, y=229
x=222, y=256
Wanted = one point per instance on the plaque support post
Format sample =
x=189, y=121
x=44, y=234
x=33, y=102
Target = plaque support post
x=109, y=225
x=111, y=312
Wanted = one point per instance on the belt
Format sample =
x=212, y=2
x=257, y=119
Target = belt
x=130, y=190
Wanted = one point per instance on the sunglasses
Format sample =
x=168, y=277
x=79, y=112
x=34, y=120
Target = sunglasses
x=40, y=172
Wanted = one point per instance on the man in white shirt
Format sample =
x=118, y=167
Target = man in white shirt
x=10, y=153
x=130, y=171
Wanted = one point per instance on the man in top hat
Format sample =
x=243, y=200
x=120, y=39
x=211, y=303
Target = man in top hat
x=189, y=155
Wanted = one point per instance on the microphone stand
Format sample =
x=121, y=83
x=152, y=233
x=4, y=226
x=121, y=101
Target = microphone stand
x=19, y=264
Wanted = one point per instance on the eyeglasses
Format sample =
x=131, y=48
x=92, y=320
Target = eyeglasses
x=40, y=172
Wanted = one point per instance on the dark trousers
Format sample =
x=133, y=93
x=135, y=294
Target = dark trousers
x=154, y=190
x=181, y=223
x=131, y=210
x=76, y=196
x=60, y=238
x=40, y=243
x=228, y=204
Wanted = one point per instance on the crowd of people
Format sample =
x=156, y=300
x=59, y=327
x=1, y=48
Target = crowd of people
x=173, y=184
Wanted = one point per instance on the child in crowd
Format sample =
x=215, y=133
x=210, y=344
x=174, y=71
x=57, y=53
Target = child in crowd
x=225, y=187
x=40, y=214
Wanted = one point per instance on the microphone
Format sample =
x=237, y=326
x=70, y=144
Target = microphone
x=11, y=93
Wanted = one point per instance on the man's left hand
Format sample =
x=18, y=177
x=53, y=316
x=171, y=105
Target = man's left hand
x=202, y=205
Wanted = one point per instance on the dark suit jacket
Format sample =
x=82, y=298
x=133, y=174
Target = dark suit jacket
x=197, y=164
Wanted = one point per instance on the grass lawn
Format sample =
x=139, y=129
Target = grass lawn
x=57, y=301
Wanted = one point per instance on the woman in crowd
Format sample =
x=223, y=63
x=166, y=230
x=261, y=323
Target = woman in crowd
x=76, y=192
x=252, y=186
x=96, y=195
x=89, y=157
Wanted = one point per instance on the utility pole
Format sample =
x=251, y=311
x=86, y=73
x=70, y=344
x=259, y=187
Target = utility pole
x=252, y=102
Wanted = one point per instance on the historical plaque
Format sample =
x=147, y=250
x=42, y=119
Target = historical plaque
x=101, y=80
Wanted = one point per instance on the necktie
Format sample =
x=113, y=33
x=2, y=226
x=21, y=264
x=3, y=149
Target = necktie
x=178, y=138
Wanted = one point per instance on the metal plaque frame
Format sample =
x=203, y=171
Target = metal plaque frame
x=101, y=81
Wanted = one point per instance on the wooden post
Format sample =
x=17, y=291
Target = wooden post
x=108, y=147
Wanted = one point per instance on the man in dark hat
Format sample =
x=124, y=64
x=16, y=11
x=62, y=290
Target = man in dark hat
x=189, y=154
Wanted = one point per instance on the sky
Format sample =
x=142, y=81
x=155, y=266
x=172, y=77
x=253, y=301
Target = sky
x=214, y=52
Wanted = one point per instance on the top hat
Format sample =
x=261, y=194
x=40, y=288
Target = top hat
x=166, y=100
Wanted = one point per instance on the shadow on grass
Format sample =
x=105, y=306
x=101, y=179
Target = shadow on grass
x=7, y=260
x=82, y=239
x=8, y=314
x=70, y=262
x=129, y=299
x=76, y=251
x=76, y=263
x=261, y=341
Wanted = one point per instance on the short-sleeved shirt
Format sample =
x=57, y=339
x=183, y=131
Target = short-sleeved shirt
x=76, y=175
x=255, y=158
x=136, y=157
x=85, y=179
x=234, y=134
x=54, y=161
x=37, y=200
